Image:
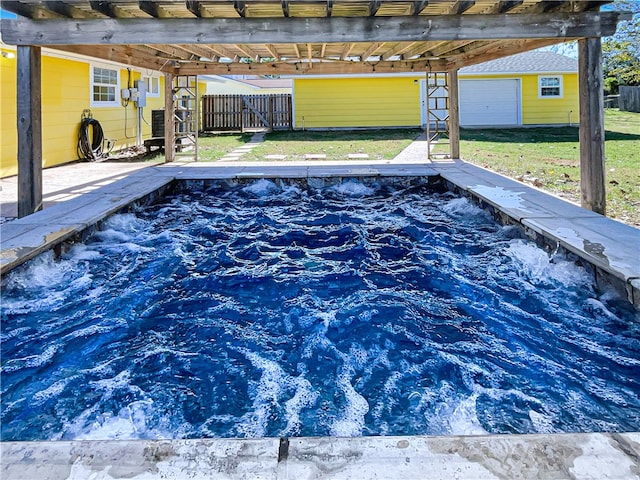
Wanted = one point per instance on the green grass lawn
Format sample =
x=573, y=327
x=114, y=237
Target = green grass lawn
x=336, y=145
x=549, y=158
x=212, y=148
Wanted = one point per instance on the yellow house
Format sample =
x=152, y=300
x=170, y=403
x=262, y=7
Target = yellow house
x=71, y=84
x=532, y=88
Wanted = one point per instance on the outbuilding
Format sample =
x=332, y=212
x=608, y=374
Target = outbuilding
x=531, y=88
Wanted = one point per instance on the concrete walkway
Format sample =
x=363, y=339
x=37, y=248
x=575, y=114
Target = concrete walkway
x=239, y=152
x=66, y=182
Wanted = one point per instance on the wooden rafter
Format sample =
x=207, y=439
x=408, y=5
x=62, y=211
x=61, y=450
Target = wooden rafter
x=460, y=7
x=241, y=8
x=194, y=7
x=66, y=10
x=153, y=9
x=370, y=50
x=418, y=7
x=399, y=49
x=105, y=8
x=273, y=51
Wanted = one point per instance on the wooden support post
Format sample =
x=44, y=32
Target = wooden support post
x=592, y=169
x=169, y=119
x=29, y=123
x=454, y=115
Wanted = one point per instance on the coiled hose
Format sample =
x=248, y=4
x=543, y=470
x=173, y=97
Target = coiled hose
x=90, y=147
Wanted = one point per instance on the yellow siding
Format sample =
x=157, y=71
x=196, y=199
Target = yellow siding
x=8, y=135
x=395, y=101
x=357, y=102
x=65, y=94
x=550, y=110
x=543, y=111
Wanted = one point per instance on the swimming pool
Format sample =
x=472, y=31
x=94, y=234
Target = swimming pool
x=273, y=309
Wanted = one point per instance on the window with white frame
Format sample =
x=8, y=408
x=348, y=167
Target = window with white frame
x=104, y=87
x=153, y=86
x=550, y=87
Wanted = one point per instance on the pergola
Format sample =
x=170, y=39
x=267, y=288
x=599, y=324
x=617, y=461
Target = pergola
x=269, y=37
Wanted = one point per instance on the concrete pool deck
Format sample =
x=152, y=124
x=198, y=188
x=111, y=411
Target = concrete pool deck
x=612, y=248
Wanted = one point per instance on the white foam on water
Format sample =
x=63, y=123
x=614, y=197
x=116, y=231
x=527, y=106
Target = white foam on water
x=80, y=252
x=261, y=188
x=542, y=423
x=351, y=421
x=130, y=423
x=455, y=415
x=304, y=397
x=535, y=264
x=51, y=391
x=31, y=361
x=464, y=419
x=272, y=382
x=352, y=189
x=459, y=207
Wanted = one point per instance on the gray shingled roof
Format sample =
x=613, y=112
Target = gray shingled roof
x=534, y=62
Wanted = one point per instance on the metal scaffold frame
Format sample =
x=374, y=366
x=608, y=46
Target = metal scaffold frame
x=437, y=117
x=185, y=116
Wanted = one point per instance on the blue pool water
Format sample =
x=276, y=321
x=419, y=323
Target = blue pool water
x=275, y=310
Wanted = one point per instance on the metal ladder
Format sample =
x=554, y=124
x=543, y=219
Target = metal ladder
x=185, y=116
x=437, y=106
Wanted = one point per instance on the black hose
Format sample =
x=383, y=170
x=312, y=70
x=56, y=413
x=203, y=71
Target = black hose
x=90, y=147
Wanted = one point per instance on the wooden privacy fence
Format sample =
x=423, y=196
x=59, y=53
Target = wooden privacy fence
x=246, y=112
x=629, y=100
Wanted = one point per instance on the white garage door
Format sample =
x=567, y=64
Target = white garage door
x=489, y=102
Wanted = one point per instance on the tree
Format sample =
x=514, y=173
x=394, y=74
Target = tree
x=621, y=51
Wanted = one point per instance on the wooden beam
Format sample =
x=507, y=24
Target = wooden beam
x=591, y=100
x=329, y=8
x=127, y=54
x=374, y=6
x=480, y=52
x=29, y=126
x=319, y=68
x=285, y=8
x=454, y=115
x=169, y=119
x=310, y=30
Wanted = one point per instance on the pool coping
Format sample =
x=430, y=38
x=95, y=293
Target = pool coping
x=605, y=244
x=610, y=247
x=579, y=456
